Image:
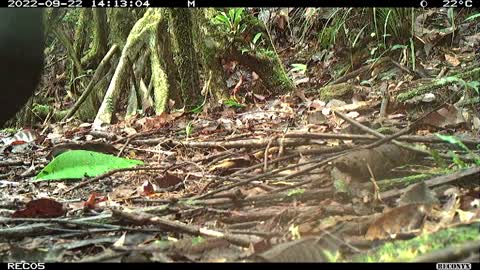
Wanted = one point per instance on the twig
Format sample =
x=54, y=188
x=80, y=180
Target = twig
x=403, y=131
x=265, y=155
x=436, y=181
x=381, y=136
x=95, y=78
x=267, y=174
x=359, y=71
x=405, y=138
x=176, y=226
x=248, y=143
x=8, y=163
x=86, y=182
x=256, y=166
x=376, y=189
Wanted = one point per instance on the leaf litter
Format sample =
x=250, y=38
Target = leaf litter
x=303, y=178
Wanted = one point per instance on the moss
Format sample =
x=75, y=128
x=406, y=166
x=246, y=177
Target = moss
x=473, y=74
x=404, y=181
x=399, y=251
x=186, y=56
x=210, y=49
x=335, y=91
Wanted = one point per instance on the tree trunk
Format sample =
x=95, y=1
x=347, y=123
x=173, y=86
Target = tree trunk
x=186, y=57
x=100, y=39
x=209, y=49
x=139, y=36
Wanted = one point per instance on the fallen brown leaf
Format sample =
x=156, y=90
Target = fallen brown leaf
x=41, y=208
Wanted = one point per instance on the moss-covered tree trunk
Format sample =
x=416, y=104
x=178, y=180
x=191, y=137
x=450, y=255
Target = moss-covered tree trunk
x=186, y=57
x=208, y=45
x=121, y=21
x=168, y=62
x=81, y=31
x=100, y=39
x=140, y=36
x=268, y=67
x=159, y=79
x=92, y=20
x=61, y=34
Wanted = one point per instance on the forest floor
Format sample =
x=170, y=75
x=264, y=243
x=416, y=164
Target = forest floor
x=388, y=170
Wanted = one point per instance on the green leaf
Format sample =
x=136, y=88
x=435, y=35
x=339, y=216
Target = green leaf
x=231, y=14
x=77, y=164
x=450, y=14
x=452, y=140
x=189, y=129
x=397, y=47
x=242, y=28
x=358, y=36
x=299, y=67
x=256, y=37
x=222, y=19
x=297, y=191
x=197, y=109
x=232, y=103
x=436, y=157
x=456, y=159
x=190, y=202
x=238, y=15
x=412, y=54
x=243, y=51
x=450, y=79
x=473, y=17
x=197, y=240
x=475, y=85
x=340, y=186
x=365, y=82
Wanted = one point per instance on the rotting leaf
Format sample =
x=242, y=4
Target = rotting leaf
x=147, y=188
x=41, y=208
x=452, y=60
x=226, y=166
x=467, y=216
x=198, y=245
x=159, y=121
x=444, y=117
x=168, y=180
x=303, y=250
x=93, y=200
x=123, y=192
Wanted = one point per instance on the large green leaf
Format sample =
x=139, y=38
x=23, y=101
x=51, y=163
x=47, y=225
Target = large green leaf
x=77, y=164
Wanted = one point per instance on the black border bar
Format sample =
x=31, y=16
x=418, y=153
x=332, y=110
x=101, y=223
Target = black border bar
x=240, y=3
x=230, y=266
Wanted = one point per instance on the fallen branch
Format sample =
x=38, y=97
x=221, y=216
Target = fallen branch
x=437, y=181
x=397, y=143
x=139, y=218
x=96, y=76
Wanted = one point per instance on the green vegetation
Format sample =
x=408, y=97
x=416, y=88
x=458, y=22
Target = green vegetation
x=76, y=164
x=401, y=251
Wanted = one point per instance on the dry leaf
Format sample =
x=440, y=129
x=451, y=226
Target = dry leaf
x=452, y=60
x=41, y=208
